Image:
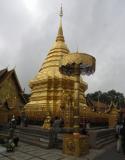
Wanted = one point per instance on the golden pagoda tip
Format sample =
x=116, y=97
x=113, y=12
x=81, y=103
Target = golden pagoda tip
x=60, y=30
x=61, y=11
x=77, y=49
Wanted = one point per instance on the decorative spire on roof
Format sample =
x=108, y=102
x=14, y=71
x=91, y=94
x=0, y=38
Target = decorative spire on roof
x=77, y=49
x=60, y=36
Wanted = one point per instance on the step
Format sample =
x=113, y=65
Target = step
x=104, y=144
x=105, y=139
x=34, y=138
x=34, y=130
x=36, y=143
x=105, y=135
x=30, y=135
x=39, y=137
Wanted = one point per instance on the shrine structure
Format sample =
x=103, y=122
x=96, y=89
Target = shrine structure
x=53, y=93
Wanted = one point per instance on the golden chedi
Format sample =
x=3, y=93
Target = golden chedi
x=53, y=92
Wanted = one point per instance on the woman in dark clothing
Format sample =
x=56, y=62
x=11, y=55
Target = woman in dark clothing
x=123, y=137
x=83, y=131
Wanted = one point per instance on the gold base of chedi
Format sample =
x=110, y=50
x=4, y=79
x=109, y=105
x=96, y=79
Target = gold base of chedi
x=54, y=95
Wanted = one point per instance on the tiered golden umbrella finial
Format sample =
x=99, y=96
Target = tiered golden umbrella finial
x=75, y=64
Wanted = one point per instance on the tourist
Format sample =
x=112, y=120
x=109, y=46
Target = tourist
x=51, y=121
x=83, y=131
x=24, y=120
x=119, y=127
x=123, y=137
x=16, y=140
x=61, y=123
x=18, y=120
x=13, y=122
x=56, y=128
x=88, y=125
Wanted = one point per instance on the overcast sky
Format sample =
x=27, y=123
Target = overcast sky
x=28, y=29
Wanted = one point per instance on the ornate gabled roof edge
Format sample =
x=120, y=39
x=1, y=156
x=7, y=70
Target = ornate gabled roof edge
x=18, y=83
x=3, y=73
x=7, y=74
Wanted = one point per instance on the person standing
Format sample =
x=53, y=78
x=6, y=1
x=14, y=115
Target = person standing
x=119, y=126
x=13, y=122
x=123, y=137
x=56, y=128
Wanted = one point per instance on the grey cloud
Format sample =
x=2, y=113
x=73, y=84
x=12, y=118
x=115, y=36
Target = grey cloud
x=94, y=26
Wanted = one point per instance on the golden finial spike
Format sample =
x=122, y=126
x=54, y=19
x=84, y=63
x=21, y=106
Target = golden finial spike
x=60, y=30
x=77, y=49
x=61, y=11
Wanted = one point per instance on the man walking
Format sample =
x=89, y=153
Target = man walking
x=56, y=128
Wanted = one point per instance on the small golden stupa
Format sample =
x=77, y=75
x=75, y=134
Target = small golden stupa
x=53, y=92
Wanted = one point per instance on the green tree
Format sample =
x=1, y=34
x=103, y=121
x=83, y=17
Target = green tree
x=108, y=97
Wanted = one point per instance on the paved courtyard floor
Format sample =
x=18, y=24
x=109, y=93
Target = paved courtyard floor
x=111, y=154
x=29, y=152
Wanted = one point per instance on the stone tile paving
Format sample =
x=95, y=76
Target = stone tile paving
x=4, y=158
x=111, y=154
x=29, y=152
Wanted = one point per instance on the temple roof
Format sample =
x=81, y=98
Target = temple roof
x=5, y=106
x=5, y=74
x=97, y=105
x=2, y=73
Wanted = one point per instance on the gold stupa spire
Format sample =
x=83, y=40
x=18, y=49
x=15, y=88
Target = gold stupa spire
x=48, y=85
x=60, y=36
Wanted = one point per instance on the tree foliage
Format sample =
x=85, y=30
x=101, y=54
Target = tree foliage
x=108, y=97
